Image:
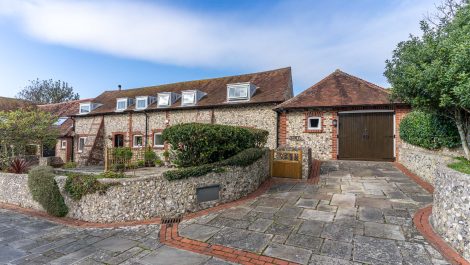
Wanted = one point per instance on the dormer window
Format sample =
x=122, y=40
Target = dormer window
x=85, y=108
x=166, y=99
x=143, y=102
x=191, y=97
x=240, y=91
x=121, y=104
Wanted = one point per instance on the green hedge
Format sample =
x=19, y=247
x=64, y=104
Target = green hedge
x=44, y=190
x=244, y=158
x=198, y=144
x=429, y=131
x=78, y=185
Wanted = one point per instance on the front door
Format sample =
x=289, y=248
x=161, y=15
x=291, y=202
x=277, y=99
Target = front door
x=366, y=136
x=118, y=140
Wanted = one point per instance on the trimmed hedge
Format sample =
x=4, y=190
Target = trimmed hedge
x=242, y=159
x=429, y=131
x=78, y=185
x=199, y=144
x=45, y=191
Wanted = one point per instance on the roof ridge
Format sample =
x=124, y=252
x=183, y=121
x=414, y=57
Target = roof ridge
x=204, y=79
x=65, y=102
x=363, y=80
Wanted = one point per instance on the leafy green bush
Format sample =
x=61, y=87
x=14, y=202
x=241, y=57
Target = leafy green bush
x=122, y=153
x=429, y=131
x=111, y=175
x=70, y=165
x=45, y=191
x=118, y=167
x=78, y=185
x=140, y=163
x=149, y=157
x=244, y=158
x=158, y=162
x=198, y=144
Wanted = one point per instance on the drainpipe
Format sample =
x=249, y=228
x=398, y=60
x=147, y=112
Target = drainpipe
x=73, y=141
x=146, y=128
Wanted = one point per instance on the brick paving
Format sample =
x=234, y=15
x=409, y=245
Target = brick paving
x=359, y=213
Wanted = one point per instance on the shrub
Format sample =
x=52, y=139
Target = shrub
x=45, y=191
x=122, y=153
x=70, y=165
x=111, y=175
x=18, y=166
x=158, y=162
x=150, y=156
x=140, y=163
x=244, y=158
x=78, y=185
x=197, y=144
x=429, y=131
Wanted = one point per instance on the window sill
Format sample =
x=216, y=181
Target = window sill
x=313, y=131
x=159, y=146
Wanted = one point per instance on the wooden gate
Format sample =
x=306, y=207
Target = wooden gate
x=286, y=164
x=366, y=136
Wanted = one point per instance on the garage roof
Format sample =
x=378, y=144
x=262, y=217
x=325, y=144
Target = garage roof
x=339, y=89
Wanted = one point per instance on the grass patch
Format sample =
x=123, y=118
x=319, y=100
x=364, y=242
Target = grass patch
x=461, y=165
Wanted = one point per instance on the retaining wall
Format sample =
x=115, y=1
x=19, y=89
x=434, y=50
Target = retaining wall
x=14, y=189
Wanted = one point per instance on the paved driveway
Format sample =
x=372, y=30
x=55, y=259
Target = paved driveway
x=27, y=240
x=361, y=213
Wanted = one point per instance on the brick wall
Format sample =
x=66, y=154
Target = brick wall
x=400, y=113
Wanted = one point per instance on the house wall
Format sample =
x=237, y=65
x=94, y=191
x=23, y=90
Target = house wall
x=323, y=143
x=64, y=153
x=258, y=116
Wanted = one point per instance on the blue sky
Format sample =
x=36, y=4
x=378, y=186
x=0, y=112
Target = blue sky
x=96, y=45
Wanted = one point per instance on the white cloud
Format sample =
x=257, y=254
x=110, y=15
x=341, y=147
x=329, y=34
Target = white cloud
x=300, y=37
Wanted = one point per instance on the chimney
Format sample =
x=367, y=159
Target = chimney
x=119, y=87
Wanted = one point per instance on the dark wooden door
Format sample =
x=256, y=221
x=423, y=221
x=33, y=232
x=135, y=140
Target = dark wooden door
x=118, y=140
x=366, y=136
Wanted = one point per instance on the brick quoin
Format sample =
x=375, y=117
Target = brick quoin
x=334, y=136
x=282, y=129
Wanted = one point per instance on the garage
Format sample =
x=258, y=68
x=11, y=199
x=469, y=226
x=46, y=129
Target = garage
x=367, y=136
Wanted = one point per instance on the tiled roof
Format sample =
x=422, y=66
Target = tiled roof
x=339, y=89
x=7, y=104
x=64, y=109
x=273, y=86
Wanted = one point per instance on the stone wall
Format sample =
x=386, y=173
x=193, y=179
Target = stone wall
x=14, y=190
x=424, y=162
x=451, y=208
x=319, y=142
x=146, y=197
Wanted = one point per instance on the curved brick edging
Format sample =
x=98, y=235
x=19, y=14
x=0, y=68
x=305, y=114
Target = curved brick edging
x=169, y=236
x=424, y=184
x=421, y=220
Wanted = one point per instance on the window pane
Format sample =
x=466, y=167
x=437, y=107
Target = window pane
x=238, y=92
x=164, y=100
x=188, y=98
x=138, y=141
x=314, y=123
x=121, y=105
x=81, y=144
x=84, y=108
x=141, y=104
x=158, y=140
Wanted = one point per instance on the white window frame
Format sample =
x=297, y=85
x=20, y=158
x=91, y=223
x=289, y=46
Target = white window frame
x=314, y=128
x=120, y=100
x=134, y=140
x=63, y=144
x=80, y=150
x=230, y=98
x=82, y=105
x=159, y=101
x=61, y=121
x=193, y=94
x=157, y=145
x=137, y=99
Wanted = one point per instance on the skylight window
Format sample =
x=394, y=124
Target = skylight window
x=60, y=121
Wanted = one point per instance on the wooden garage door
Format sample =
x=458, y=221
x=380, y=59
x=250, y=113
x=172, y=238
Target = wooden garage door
x=366, y=136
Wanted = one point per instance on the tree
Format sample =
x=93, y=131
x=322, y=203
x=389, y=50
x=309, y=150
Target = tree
x=24, y=127
x=48, y=91
x=432, y=72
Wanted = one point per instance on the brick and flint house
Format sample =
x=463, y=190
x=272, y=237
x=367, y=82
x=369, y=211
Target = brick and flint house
x=343, y=117
x=136, y=117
